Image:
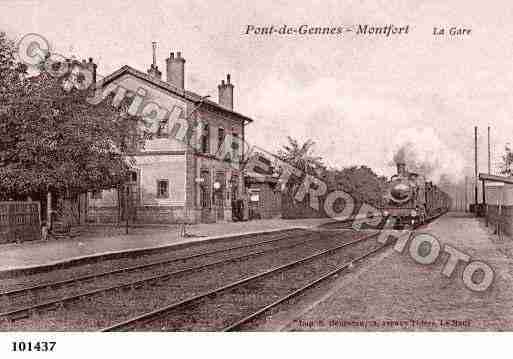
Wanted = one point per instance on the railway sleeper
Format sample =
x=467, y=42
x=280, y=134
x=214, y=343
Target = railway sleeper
x=19, y=316
x=34, y=313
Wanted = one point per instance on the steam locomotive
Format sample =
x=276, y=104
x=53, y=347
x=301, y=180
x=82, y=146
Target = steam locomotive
x=411, y=201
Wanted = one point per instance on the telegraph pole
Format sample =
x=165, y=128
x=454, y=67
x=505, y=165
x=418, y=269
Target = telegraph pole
x=466, y=193
x=485, y=207
x=489, y=154
x=475, y=169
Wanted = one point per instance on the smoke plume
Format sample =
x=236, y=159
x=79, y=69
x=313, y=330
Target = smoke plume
x=423, y=152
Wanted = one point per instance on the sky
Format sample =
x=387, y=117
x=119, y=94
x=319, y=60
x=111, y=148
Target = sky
x=360, y=98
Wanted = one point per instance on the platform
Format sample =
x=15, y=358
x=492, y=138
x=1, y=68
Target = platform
x=31, y=255
x=393, y=292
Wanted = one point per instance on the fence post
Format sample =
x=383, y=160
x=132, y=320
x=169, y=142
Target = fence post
x=49, y=210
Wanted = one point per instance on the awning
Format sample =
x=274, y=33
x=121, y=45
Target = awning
x=494, y=178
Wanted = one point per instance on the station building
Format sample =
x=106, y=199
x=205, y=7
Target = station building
x=174, y=180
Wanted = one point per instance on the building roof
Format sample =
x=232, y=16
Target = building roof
x=256, y=177
x=494, y=178
x=187, y=95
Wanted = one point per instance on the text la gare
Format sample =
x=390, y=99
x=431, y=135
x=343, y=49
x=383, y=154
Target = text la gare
x=451, y=31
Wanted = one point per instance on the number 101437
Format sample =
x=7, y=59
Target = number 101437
x=33, y=346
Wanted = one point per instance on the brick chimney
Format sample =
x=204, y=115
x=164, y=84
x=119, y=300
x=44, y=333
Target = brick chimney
x=401, y=168
x=91, y=66
x=226, y=93
x=175, y=67
x=154, y=70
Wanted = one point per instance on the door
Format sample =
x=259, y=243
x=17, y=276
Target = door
x=219, y=194
x=205, y=197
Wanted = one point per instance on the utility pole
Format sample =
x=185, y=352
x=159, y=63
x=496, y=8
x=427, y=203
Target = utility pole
x=489, y=154
x=485, y=207
x=475, y=169
x=466, y=193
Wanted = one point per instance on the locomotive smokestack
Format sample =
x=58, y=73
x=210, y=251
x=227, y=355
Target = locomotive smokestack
x=401, y=168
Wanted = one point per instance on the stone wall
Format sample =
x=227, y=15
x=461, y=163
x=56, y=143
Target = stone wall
x=143, y=215
x=103, y=215
x=160, y=214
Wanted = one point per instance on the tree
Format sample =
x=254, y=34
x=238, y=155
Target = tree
x=360, y=182
x=301, y=156
x=9, y=69
x=506, y=166
x=53, y=140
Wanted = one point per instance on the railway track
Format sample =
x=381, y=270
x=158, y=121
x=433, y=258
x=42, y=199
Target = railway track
x=231, y=306
x=12, y=280
x=33, y=293
x=45, y=306
x=337, y=225
x=87, y=277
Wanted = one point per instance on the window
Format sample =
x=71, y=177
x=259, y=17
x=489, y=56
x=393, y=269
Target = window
x=133, y=176
x=220, y=137
x=162, y=189
x=235, y=140
x=235, y=145
x=254, y=195
x=96, y=194
x=205, y=137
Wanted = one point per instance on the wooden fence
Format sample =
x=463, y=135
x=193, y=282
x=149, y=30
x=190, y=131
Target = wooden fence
x=19, y=221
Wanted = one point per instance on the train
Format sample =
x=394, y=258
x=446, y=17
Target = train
x=411, y=200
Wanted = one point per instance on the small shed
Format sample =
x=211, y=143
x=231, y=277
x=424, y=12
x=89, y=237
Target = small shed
x=498, y=200
x=264, y=195
x=498, y=189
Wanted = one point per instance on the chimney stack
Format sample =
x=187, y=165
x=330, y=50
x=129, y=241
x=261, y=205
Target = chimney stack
x=175, y=67
x=92, y=68
x=226, y=93
x=401, y=168
x=154, y=70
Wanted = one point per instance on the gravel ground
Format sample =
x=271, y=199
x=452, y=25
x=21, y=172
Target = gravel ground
x=102, y=311
x=132, y=260
x=396, y=293
x=81, y=287
x=226, y=308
